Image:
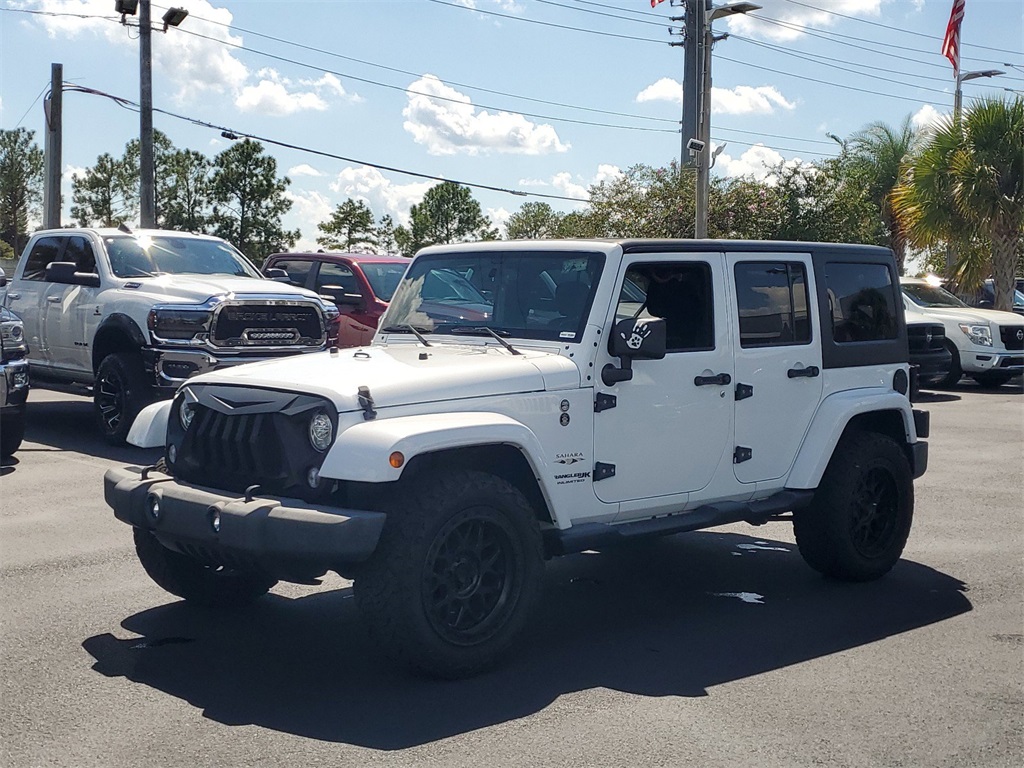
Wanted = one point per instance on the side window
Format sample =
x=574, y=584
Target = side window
x=772, y=302
x=80, y=251
x=45, y=251
x=679, y=293
x=297, y=270
x=335, y=276
x=862, y=302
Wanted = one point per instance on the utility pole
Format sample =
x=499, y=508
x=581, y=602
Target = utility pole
x=53, y=107
x=691, y=76
x=702, y=153
x=147, y=192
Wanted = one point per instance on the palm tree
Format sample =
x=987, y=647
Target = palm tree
x=967, y=184
x=881, y=150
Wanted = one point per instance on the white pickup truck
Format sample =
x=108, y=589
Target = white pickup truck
x=587, y=393
x=129, y=316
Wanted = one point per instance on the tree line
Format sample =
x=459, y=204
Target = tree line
x=954, y=188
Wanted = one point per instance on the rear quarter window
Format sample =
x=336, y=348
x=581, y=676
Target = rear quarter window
x=862, y=302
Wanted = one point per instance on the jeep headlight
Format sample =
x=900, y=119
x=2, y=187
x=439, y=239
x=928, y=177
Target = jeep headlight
x=186, y=409
x=175, y=323
x=321, y=431
x=978, y=334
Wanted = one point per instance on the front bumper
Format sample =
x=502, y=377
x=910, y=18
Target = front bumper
x=991, y=360
x=173, y=367
x=284, y=537
x=13, y=384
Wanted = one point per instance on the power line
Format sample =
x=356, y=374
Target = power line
x=231, y=133
x=660, y=24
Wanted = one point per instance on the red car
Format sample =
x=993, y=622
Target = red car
x=360, y=284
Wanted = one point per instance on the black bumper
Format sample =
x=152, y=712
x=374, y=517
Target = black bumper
x=933, y=366
x=284, y=537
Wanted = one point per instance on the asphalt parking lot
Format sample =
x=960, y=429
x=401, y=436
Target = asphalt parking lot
x=708, y=649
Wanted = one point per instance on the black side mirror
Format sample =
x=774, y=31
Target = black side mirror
x=633, y=339
x=3, y=277
x=985, y=304
x=276, y=273
x=64, y=272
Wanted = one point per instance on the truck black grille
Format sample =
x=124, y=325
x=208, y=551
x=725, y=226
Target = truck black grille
x=925, y=338
x=1012, y=336
x=267, y=325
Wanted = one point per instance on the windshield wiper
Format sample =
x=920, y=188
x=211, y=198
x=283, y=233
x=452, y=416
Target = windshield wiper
x=476, y=330
x=408, y=328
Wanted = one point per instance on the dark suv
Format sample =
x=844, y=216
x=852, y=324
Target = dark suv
x=360, y=284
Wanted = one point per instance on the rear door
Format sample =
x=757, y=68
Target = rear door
x=72, y=312
x=778, y=361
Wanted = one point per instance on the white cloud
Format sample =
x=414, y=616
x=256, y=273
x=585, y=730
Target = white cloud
x=70, y=171
x=499, y=217
x=757, y=161
x=303, y=170
x=797, y=17
x=454, y=125
x=379, y=192
x=272, y=97
x=741, y=100
x=926, y=117
x=577, y=186
x=309, y=208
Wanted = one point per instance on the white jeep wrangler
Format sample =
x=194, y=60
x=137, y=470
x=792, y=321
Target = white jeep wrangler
x=128, y=316
x=584, y=393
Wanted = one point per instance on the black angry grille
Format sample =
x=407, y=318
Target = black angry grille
x=267, y=325
x=1012, y=336
x=925, y=337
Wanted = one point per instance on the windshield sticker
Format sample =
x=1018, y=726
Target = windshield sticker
x=567, y=335
x=574, y=265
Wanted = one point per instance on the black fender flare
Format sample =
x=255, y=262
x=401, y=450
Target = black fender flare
x=122, y=325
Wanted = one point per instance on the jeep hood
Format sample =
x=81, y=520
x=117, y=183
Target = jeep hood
x=195, y=289
x=406, y=374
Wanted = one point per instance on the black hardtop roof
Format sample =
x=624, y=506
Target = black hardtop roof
x=855, y=251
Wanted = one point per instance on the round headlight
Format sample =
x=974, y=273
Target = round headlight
x=186, y=413
x=17, y=332
x=321, y=431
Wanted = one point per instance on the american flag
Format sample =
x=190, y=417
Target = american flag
x=655, y=2
x=951, y=42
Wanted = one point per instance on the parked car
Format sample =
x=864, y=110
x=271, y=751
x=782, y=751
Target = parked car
x=361, y=286
x=13, y=379
x=929, y=352
x=985, y=344
x=985, y=296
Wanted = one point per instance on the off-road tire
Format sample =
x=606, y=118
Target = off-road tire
x=455, y=576
x=12, y=432
x=858, y=522
x=992, y=378
x=196, y=582
x=955, y=372
x=121, y=391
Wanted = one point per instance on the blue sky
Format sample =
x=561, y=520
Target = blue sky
x=540, y=96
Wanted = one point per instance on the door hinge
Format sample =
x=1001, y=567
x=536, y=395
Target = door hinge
x=742, y=454
x=604, y=402
x=603, y=471
x=743, y=391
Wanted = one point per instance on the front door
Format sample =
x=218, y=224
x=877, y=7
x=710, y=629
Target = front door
x=778, y=361
x=671, y=426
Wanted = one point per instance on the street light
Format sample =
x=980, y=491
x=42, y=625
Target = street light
x=964, y=77
x=173, y=17
x=708, y=39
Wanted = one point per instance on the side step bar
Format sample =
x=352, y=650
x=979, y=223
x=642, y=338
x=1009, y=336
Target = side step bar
x=598, y=535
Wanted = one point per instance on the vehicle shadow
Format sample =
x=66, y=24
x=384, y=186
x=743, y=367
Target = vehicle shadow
x=934, y=396
x=69, y=425
x=672, y=618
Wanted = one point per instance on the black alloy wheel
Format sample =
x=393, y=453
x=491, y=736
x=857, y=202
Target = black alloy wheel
x=875, y=513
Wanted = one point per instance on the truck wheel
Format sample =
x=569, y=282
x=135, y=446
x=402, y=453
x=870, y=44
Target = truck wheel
x=12, y=432
x=858, y=522
x=955, y=372
x=206, y=585
x=455, y=576
x=993, y=378
x=121, y=391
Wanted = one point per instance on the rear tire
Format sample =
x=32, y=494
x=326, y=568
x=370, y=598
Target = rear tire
x=197, y=582
x=121, y=391
x=12, y=432
x=857, y=525
x=456, y=574
x=955, y=372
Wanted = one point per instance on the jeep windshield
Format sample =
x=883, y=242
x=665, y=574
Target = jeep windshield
x=931, y=296
x=532, y=295
x=146, y=256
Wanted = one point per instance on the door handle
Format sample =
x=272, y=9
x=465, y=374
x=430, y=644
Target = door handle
x=808, y=373
x=13, y=296
x=720, y=379
x=53, y=299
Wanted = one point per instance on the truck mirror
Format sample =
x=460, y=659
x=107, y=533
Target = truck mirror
x=64, y=272
x=276, y=273
x=639, y=339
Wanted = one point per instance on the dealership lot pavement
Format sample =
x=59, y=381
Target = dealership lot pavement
x=713, y=649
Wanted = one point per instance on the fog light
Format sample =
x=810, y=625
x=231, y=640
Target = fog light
x=214, y=515
x=172, y=453
x=154, y=506
x=396, y=459
x=313, y=477
x=19, y=380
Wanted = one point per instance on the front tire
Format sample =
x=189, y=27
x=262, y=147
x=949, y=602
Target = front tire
x=121, y=391
x=196, y=582
x=12, y=432
x=857, y=525
x=955, y=372
x=455, y=576
x=993, y=378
